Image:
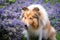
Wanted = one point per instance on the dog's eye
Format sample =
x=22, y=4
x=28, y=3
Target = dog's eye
x=30, y=18
x=25, y=17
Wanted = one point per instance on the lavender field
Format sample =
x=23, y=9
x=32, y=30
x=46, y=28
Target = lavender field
x=10, y=10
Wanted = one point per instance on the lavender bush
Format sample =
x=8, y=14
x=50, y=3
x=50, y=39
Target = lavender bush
x=10, y=24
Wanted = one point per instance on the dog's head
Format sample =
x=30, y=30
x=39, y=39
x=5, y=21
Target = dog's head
x=30, y=17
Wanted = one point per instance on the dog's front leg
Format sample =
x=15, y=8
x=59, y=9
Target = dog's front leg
x=26, y=35
x=40, y=35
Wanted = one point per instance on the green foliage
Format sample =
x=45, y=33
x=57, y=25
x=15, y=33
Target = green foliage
x=58, y=36
x=54, y=20
x=11, y=0
x=58, y=1
x=24, y=38
x=52, y=1
x=46, y=1
x=5, y=37
x=1, y=6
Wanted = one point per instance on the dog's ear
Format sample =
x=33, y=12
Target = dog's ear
x=25, y=8
x=36, y=9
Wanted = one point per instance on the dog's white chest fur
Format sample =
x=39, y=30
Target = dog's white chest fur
x=38, y=31
x=35, y=32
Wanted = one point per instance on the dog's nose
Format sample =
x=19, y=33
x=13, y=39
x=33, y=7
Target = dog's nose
x=26, y=26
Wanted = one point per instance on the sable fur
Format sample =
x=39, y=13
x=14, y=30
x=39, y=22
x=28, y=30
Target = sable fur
x=36, y=18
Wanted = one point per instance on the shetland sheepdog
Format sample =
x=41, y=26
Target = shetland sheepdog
x=36, y=19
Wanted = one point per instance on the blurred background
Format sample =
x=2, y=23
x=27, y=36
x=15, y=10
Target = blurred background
x=10, y=10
